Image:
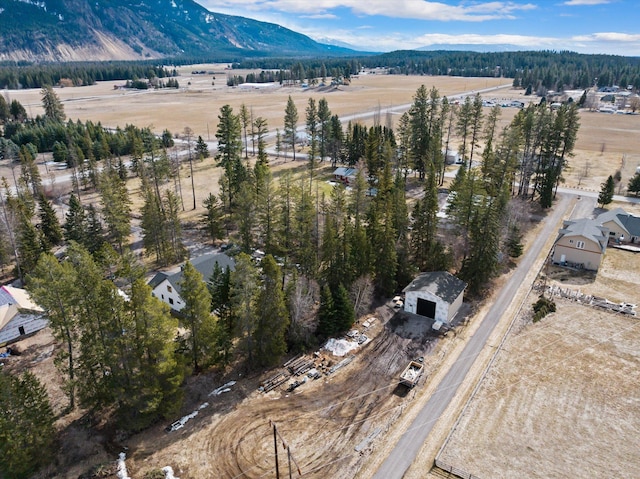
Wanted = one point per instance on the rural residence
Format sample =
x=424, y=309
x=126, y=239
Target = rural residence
x=581, y=244
x=19, y=315
x=622, y=226
x=166, y=286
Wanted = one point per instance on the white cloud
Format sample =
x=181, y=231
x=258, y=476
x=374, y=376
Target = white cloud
x=586, y=2
x=537, y=42
x=413, y=9
x=609, y=37
x=321, y=16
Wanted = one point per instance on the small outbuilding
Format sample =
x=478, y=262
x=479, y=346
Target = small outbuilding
x=437, y=295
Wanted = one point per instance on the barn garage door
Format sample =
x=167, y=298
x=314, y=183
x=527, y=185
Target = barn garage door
x=426, y=308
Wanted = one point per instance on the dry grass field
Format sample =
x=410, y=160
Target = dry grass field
x=538, y=412
x=561, y=398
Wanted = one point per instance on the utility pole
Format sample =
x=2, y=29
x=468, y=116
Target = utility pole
x=290, y=457
x=275, y=447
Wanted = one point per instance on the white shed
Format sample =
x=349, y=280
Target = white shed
x=437, y=295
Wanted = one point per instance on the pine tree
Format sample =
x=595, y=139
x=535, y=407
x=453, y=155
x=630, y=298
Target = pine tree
x=219, y=286
x=244, y=287
x=324, y=120
x=116, y=207
x=51, y=285
x=344, y=314
x=95, y=235
x=291, y=125
x=75, y=221
x=634, y=184
x=156, y=374
x=312, y=135
x=272, y=316
x=212, y=220
x=26, y=425
x=49, y=224
x=326, y=314
x=53, y=109
x=196, y=316
x=229, y=155
x=606, y=192
x=202, y=150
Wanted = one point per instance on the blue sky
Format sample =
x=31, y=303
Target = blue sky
x=585, y=26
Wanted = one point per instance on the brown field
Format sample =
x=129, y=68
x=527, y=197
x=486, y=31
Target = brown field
x=325, y=420
x=561, y=398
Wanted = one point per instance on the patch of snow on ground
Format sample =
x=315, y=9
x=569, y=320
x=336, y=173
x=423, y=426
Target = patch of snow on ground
x=122, y=467
x=340, y=347
x=168, y=473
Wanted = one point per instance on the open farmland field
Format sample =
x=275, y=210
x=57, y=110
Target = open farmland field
x=605, y=142
x=561, y=398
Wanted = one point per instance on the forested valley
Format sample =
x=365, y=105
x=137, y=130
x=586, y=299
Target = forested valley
x=330, y=252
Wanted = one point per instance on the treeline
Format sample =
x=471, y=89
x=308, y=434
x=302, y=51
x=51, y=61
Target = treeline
x=17, y=76
x=551, y=70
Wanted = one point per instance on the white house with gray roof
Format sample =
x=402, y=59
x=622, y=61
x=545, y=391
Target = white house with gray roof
x=166, y=286
x=437, y=295
x=622, y=226
x=581, y=243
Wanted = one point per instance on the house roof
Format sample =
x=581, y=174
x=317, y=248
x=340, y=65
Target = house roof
x=18, y=296
x=585, y=228
x=623, y=219
x=204, y=264
x=440, y=283
x=342, y=171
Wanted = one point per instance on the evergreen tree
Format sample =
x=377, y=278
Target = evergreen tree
x=53, y=109
x=213, y=218
x=291, y=125
x=324, y=130
x=343, y=309
x=49, y=224
x=272, y=316
x=156, y=373
x=27, y=434
x=29, y=244
x=244, y=288
x=116, y=207
x=95, y=235
x=514, y=242
x=219, y=286
x=312, y=135
x=606, y=192
x=75, y=221
x=634, y=184
x=202, y=150
x=327, y=324
x=51, y=285
x=245, y=121
x=196, y=316
x=229, y=155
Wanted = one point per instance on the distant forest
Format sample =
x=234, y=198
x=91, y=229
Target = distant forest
x=539, y=70
x=551, y=70
x=17, y=76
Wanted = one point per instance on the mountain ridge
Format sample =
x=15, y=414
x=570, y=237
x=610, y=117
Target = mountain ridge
x=81, y=30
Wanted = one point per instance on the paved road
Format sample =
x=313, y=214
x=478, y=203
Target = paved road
x=407, y=448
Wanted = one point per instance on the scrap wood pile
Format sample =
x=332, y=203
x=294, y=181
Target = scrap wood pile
x=586, y=299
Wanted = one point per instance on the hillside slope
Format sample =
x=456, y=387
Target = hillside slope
x=76, y=30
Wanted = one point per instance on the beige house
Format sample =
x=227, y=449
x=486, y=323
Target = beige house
x=581, y=243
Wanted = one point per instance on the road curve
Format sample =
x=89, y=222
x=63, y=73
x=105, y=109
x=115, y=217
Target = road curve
x=407, y=448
